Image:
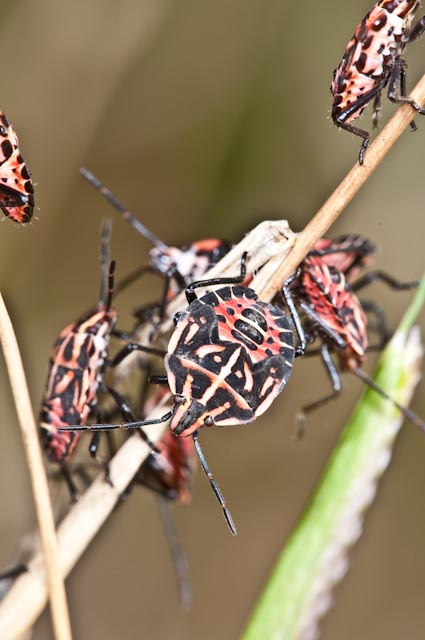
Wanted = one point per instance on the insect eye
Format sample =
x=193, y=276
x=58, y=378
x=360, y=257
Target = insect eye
x=177, y=317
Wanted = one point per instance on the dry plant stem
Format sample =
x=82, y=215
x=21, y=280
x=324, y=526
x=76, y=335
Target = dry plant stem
x=26, y=599
x=56, y=587
x=346, y=191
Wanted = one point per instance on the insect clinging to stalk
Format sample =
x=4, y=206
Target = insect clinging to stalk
x=229, y=357
x=373, y=60
x=76, y=371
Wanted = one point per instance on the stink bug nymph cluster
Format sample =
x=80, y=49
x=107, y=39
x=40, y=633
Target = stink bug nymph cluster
x=227, y=360
x=230, y=354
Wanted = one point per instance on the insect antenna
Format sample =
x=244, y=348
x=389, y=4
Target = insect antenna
x=118, y=425
x=214, y=485
x=407, y=413
x=107, y=268
x=126, y=214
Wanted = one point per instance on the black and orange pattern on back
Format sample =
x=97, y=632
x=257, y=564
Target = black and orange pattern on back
x=16, y=188
x=76, y=367
x=74, y=376
x=228, y=358
x=326, y=289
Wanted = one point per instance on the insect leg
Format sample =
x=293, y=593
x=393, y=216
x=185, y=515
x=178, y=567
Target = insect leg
x=73, y=491
x=403, y=90
x=376, y=109
x=214, y=485
x=132, y=277
x=317, y=320
x=388, y=279
x=94, y=444
x=289, y=301
x=340, y=119
x=93, y=447
x=381, y=324
x=127, y=414
x=181, y=283
x=336, y=386
x=190, y=293
x=163, y=303
x=132, y=346
x=407, y=413
x=399, y=68
x=363, y=134
x=178, y=556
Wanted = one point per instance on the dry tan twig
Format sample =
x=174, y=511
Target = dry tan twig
x=345, y=192
x=43, y=507
x=27, y=597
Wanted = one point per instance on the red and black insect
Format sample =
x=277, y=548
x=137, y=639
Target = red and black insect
x=76, y=372
x=348, y=253
x=16, y=188
x=372, y=60
x=228, y=358
x=179, y=265
x=335, y=315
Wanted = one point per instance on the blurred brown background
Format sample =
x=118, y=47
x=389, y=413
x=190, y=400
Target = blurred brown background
x=205, y=117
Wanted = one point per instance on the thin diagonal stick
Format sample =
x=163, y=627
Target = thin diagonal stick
x=345, y=192
x=12, y=356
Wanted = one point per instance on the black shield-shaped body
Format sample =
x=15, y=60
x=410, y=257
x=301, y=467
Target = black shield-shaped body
x=228, y=358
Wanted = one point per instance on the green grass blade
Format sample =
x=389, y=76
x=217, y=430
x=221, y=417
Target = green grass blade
x=315, y=557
